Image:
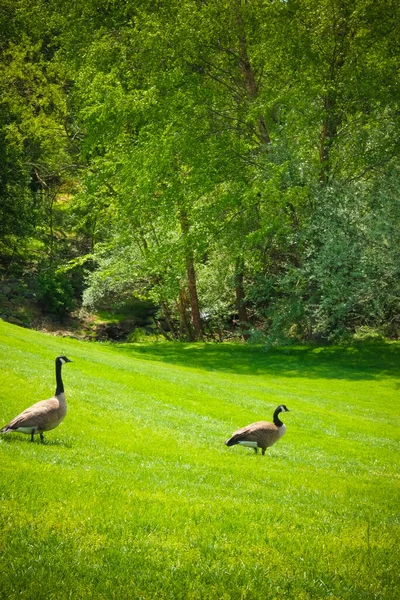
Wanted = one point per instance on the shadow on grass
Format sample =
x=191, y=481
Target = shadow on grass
x=18, y=438
x=357, y=362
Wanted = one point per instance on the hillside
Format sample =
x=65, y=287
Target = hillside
x=135, y=495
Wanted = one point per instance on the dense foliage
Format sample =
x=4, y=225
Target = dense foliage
x=236, y=163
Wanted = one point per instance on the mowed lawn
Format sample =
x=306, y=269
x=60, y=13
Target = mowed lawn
x=136, y=496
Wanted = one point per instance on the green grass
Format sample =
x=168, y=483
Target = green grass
x=136, y=496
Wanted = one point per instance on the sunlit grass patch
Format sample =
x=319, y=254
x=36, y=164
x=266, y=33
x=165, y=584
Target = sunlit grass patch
x=135, y=495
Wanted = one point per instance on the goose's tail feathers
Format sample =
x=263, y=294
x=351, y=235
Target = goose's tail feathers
x=6, y=429
x=231, y=442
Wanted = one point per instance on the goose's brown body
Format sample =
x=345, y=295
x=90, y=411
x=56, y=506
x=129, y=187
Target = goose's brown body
x=41, y=416
x=261, y=434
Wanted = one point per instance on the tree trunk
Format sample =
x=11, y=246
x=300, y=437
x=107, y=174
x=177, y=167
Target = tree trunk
x=167, y=316
x=163, y=332
x=191, y=277
x=194, y=300
x=328, y=134
x=182, y=305
x=332, y=117
x=250, y=80
x=240, y=301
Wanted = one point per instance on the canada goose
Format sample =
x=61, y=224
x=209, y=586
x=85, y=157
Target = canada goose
x=261, y=434
x=43, y=415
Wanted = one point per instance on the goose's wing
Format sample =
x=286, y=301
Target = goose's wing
x=255, y=432
x=38, y=415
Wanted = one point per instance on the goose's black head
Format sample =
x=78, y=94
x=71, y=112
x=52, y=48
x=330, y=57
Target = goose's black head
x=62, y=360
x=278, y=410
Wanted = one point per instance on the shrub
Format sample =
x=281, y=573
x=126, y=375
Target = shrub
x=54, y=292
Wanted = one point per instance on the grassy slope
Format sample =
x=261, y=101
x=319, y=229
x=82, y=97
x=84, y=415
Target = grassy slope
x=136, y=496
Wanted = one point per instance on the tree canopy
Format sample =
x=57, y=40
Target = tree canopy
x=236, y=163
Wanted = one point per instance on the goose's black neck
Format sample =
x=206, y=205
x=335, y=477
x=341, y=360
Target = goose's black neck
x=59, y=381
x=277, y=420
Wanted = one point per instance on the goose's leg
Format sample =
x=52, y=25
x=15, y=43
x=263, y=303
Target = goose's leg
x=256, y=450
x=41, y=437
x=32, y=434
x=263, y=451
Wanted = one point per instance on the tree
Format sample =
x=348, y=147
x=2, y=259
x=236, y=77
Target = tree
x=219, y=145
x=34, y=145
